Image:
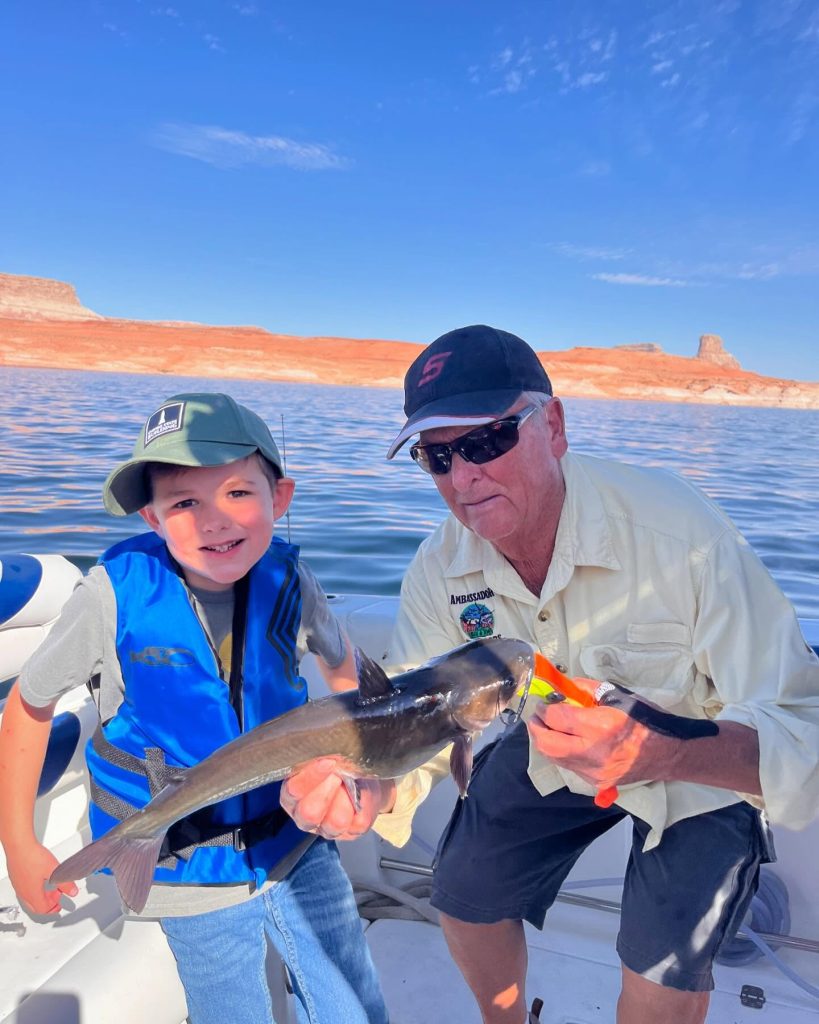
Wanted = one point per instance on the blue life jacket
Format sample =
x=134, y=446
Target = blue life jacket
x=177, y=709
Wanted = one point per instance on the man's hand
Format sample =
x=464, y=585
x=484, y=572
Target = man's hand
x=601, y=745
x=29, y=872
x=622, y=739
x=625, y=738
x=317, y=798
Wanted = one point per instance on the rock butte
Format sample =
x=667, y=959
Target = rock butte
x=43, y=324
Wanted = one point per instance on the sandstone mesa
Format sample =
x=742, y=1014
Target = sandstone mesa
x=43, y=324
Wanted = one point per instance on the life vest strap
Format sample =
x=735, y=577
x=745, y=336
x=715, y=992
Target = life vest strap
x=153, y=766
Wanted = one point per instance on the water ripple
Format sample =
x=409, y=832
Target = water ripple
x=359, y=518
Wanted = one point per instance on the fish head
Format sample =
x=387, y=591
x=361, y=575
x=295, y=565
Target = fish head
x=483, y=678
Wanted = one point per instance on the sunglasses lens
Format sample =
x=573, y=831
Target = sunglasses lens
x=440, y=459
x=488, y=443
x=432, y=458
x=478, y=446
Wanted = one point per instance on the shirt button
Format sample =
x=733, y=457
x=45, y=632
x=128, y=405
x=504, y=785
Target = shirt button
x=543, y=615
x=561, y=668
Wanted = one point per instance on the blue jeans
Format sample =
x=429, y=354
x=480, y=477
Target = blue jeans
x=312, y=921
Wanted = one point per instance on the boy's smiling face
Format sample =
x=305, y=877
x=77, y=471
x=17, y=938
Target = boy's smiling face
x=217, y=520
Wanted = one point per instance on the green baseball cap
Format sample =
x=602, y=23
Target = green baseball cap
x=188, y=430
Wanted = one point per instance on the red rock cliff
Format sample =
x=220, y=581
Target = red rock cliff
x=42, y=324
x=38, y=298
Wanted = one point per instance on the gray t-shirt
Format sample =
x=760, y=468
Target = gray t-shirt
x=82, y=646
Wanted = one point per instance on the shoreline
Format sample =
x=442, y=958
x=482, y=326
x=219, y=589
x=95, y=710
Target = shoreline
x=251, y=353
x=43, y=325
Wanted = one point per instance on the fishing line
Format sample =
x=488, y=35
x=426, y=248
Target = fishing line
x=284, y=467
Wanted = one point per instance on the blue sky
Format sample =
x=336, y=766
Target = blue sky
x=581, y=173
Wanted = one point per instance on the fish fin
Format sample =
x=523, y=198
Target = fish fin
x=373, y=681
x=353, y=791
x=460, y=761
x=131, y=859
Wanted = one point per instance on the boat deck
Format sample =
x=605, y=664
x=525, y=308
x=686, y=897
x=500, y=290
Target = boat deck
x=92, y=967
x=423, y=986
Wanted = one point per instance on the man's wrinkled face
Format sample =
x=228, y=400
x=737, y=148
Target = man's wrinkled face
x=505, y=499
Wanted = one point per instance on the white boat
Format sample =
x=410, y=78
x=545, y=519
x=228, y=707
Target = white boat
x=93, y=966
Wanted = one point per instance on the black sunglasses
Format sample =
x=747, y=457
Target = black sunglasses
x=482, y=445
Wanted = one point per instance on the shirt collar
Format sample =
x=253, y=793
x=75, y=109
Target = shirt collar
x=583, y=534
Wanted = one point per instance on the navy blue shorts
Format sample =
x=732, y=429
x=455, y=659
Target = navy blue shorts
x=507, y=850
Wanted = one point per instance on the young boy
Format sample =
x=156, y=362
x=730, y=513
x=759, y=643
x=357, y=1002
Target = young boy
x=192, y=634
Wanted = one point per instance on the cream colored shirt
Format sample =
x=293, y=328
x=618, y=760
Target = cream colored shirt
x=651, y=586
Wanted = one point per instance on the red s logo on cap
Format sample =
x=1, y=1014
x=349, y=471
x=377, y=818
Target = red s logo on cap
x=433, y=367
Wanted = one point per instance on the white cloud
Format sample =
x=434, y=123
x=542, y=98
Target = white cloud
x=595, y=168
x=590, y=78
x=515, y=68
x=643, y=280
x=759, y=272
x=225, y=148
x=810, y=33
x=657, y=37
x=589, y=252
x=773, y=261
x=512, y=83
x=802, y=114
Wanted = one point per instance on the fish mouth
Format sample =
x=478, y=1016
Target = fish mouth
x=509, y=715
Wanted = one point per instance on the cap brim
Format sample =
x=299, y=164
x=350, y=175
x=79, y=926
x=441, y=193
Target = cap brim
x=470, y=410
x=126, y=489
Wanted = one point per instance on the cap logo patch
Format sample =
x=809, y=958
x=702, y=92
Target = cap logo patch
x=432, y=368
x=477, y=620
x=164, y=421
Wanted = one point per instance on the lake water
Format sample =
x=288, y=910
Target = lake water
x=359, y=518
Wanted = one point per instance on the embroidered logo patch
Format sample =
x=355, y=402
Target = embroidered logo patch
x=432, y=368
x=476, y=595
x=164, y=421
x=477, y=620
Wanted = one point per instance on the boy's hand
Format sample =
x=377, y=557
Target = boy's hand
x=317, y=798
x=29, y=872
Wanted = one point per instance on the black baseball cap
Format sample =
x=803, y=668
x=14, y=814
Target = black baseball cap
x=468, y=377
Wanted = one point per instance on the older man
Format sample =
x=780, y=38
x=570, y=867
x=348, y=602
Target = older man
x=617, y=574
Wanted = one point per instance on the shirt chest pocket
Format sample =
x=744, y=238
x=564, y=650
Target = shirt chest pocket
x=655, y=660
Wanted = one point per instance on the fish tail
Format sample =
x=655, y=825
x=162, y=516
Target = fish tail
x=132, y=859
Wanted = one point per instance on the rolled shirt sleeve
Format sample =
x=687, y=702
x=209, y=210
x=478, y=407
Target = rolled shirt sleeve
x=747, y=641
